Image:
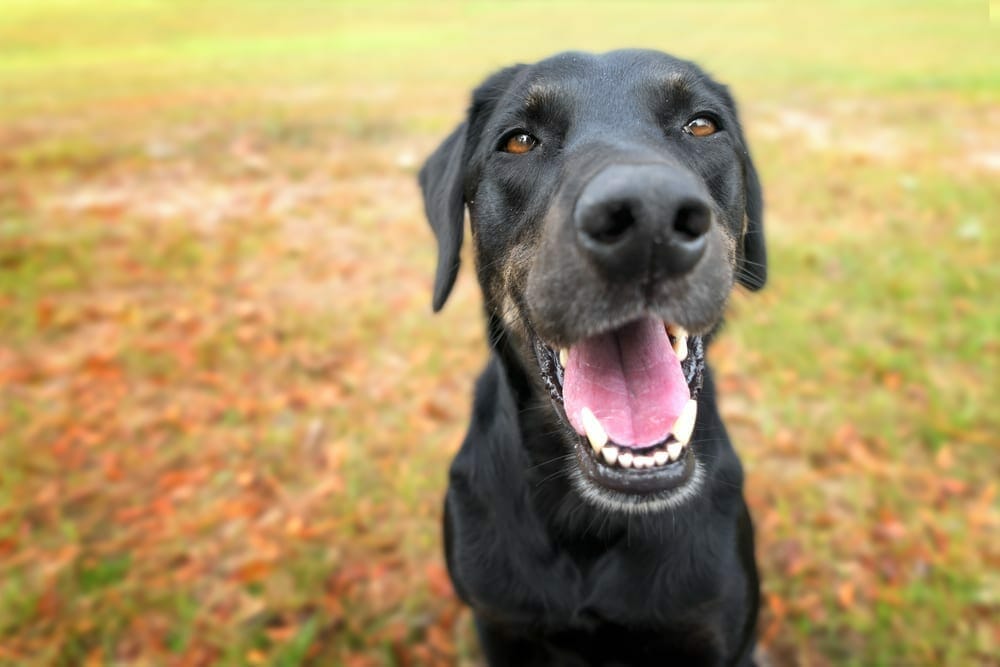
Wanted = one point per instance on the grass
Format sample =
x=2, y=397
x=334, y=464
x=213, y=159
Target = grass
x=226, y=411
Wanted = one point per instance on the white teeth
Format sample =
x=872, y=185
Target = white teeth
x=595, y=432
x=563, y=356
x=627, y=459
x=610, y=454
x=681, y=348
x=685, y=423
x=680, y=342
x=598, y=437
x=674, y=450
x=643, y=462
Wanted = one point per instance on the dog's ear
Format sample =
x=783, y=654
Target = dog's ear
x=442, y=182
x=753, y=272
x=446, y=174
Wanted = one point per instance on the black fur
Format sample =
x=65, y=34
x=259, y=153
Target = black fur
x=555, y=578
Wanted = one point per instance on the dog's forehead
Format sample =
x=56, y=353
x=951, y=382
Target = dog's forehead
x=611, y=77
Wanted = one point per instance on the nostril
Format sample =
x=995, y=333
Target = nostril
x=608, y=222
x=692, y=221
x=618, y=221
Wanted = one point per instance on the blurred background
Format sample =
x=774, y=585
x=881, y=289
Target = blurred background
x=226, y=411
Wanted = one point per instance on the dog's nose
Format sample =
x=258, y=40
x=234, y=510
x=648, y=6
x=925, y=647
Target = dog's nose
x=631, y=219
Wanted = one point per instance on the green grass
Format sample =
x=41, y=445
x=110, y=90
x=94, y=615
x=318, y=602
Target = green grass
x=226, y=412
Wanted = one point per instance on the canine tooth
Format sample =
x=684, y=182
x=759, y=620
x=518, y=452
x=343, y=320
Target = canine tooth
x=680, y=335
x=660, y=457
x=610, y=454
x=563, y=356
x=595, y=432
x=681, y=348
x=625, y=459
x=674, y=450
x=677, y=330
x=643, y=462
x=685, y=423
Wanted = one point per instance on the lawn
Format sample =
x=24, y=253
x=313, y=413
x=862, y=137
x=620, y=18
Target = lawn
x=226, y=410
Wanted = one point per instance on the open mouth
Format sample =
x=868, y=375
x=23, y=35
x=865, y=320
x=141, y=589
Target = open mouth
x=630, y=394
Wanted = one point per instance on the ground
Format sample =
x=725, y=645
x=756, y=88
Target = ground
x=226, y=410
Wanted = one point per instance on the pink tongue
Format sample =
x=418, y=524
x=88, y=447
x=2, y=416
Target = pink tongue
x=630, y=379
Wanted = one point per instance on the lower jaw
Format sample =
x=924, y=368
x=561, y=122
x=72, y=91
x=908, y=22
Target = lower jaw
x=629, y=490
x=657, y=481
x=635, y=493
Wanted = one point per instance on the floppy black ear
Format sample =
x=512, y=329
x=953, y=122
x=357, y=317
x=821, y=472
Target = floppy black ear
x=753, y=273
x=441, y=181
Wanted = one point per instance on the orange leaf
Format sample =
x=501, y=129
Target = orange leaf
x=43, y=313
x=845, y=594
x=255, y=570
x=439, y=640
x=944, y=458
x=438, y=581
x=776, y=604
x=256, y=657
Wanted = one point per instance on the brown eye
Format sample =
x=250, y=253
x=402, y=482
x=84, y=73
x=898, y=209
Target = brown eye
x=519, y=143
x=701, y=127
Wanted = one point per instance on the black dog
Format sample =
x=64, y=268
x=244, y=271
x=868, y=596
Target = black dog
x=595, y=513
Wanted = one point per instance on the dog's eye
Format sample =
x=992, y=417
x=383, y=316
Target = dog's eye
x=701, y=127
x=519, y=142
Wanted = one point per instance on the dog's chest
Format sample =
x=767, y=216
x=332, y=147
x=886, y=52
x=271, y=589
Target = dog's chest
x=537, y=583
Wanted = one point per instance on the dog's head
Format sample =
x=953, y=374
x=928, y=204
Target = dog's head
x=613, y=204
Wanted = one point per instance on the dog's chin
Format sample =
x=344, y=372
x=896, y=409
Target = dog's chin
x=641, y=475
